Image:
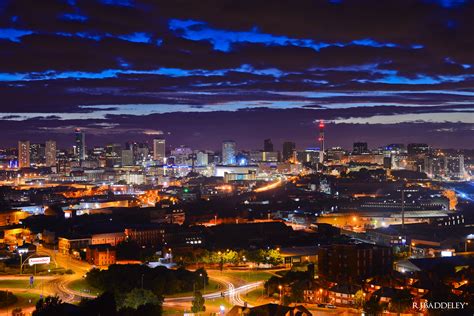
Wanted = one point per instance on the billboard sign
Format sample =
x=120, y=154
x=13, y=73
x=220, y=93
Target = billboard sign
x=39, y=260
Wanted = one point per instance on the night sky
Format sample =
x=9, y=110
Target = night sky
x=203, y=71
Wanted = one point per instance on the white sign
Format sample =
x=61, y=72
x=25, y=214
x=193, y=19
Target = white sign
x=39, y=260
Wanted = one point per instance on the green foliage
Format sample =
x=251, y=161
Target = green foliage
x=138, y=297
x=102, y=305
x=159, y=280
x=128, y=250
x=359, y=299
x=198, y=303
x=143, y=310
x=7, y=298
x=297, y=280
x=401, y=301
x=265, y=256
x=373, y=307
x=49, y=306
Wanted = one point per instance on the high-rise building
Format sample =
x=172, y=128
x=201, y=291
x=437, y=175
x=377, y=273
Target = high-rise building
x=80, y=144
x=202, y=158
x=418, y=149
x=113, y=155
x=288, y=150
x=50, y=153
x=322, y=141
x=24, y=154
x=310, y=155
x=159, y=150
x=360, y=148
x=229, y=152
x=37, y=153
x=455, y=166
x=127, y=157
x=267, y=145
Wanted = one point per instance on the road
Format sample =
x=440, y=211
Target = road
x=58, y=284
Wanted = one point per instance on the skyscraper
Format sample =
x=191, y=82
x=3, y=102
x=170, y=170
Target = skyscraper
x=360, y=148
x=50, y=153
x=267, y=145
x=113, y=155
x=24, y=154
x=228, y=152
x=288, y=149
x=322, y=141
x=37, y=153
x=159, y=150
x=80, y=144
x=127, y=157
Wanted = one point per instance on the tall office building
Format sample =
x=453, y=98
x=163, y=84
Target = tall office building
x=113, y=155
x=267, y=145
x=50, y=153
x=288, y=150
x=229, y=152
x=360, y=148
x=455, y=166
x=80, y=144
x=159, y=150
x=416, y=149
x=127, y=157
x=37, y=153
x=23, y=154
x=322, y=141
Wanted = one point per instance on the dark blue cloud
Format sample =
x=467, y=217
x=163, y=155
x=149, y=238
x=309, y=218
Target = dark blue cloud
x=73, y=17
x=224, y=39
x=12, y=34
x=79, y=60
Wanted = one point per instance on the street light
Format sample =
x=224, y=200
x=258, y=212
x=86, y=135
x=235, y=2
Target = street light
x=221, y=260
x=280, y=288
x=468, y=241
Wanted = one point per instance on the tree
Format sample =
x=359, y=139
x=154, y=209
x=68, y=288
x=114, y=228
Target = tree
x=105, y=304
x=198, y=303
x=401, y=301
x=7, y=298
x=373, y=307
x=128, y=250
x=17, y=312
x=230, y=256
x=138, y=297
x=359, y=299
x=49, y=306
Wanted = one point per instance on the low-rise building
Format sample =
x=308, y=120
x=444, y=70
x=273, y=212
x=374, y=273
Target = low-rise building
x=101, y=255
x=68, y=244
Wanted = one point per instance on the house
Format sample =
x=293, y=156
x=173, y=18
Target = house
x=343, y=294
x=269, y=310
x=386, y=294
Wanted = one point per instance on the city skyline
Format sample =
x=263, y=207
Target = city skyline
x=236, y=157
x=130, y=69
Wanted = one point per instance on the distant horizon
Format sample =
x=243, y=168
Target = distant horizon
x=401, y=71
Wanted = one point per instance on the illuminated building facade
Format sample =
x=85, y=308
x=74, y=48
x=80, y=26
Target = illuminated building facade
x=80, y=144
x=24, y=154
x=229, y=152
x=288, y=150
x=159, y=150
x=50, y=153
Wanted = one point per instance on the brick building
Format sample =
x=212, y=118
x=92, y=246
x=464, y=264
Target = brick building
x=353, y=261
x=101, y=255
